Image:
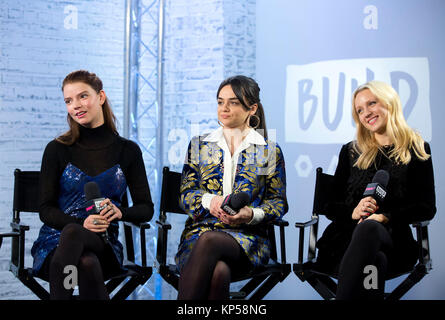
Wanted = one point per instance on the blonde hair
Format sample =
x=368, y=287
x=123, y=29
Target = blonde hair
x=402, y=135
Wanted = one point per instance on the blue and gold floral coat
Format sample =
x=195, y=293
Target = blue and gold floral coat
x=260, y=171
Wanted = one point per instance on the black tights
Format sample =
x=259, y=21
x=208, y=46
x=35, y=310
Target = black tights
x=369, y=246
x=208, y=270
x=84, y=250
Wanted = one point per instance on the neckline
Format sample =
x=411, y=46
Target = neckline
x=91, y=177
x=95, y=138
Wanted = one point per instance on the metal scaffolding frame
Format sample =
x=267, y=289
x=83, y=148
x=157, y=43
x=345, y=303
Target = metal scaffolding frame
x=143, y=100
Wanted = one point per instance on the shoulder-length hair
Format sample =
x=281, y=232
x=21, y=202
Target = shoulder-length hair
x=248, y=93
x=403, y=136
x=91, y=79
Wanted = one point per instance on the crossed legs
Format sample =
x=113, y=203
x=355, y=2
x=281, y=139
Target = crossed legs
x=82, y=249
x=208, y=271
x=369, y=245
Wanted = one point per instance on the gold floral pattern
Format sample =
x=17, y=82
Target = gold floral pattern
x=260, y=172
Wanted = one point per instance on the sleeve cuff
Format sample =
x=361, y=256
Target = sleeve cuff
x=258, y=216
x=206, y=199
x=387, y=215
x=124, y=213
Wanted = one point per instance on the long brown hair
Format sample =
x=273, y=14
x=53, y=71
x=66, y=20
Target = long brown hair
x=248, y=93
x=91, y=79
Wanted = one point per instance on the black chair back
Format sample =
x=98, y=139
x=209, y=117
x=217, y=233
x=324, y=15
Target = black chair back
x=171, y=183
x=26, y=192
x=324, y=184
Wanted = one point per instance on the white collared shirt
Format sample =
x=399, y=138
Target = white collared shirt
x=230, y=163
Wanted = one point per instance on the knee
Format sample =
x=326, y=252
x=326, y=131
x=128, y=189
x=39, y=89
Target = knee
x=89, y=262
x=367, y=230
x=207, y=241
x=71, y=231
x=90, y=268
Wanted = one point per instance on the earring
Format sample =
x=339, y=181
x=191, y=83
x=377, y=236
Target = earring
x=220, y=124
x=258, y=121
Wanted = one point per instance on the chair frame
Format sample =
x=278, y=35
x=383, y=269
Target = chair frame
x=135, y=273
x=323, y=282
x=261, y=280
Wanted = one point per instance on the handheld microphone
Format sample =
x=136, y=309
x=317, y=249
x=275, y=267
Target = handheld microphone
x=377, y=188
x=93, y=200
x=234, y=202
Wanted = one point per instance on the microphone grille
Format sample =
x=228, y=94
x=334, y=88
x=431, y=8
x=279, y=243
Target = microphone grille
x=91, y=190
x=381, y=177
x=239, y=200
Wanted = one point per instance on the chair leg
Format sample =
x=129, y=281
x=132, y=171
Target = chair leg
x=169, y=277
x=265, y=287
x=248, y=287
x=113, y=284
x=324, y=285
x=126, y=289
x=35, y=287
x=129, y=286
x=407, y=284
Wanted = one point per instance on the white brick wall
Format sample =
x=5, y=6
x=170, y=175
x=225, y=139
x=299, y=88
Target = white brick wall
x=205, y=41
x=37, y=51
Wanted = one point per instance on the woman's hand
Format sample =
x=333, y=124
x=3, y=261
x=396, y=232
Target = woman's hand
x=377, y=217
x=96, y=223
x=110, y=212
x=243, y=216
x=365, y=208
x=215, y=206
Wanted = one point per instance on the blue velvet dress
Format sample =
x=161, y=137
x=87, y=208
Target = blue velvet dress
x=112, y=184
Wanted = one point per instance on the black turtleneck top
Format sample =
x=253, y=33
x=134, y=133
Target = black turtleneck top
x=95, y=151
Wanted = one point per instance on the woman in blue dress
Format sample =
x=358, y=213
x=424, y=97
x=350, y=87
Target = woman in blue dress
x=235, y=158
x=90, y=151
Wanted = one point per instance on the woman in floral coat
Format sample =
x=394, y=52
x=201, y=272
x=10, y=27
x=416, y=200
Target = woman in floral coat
x=235, y=158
